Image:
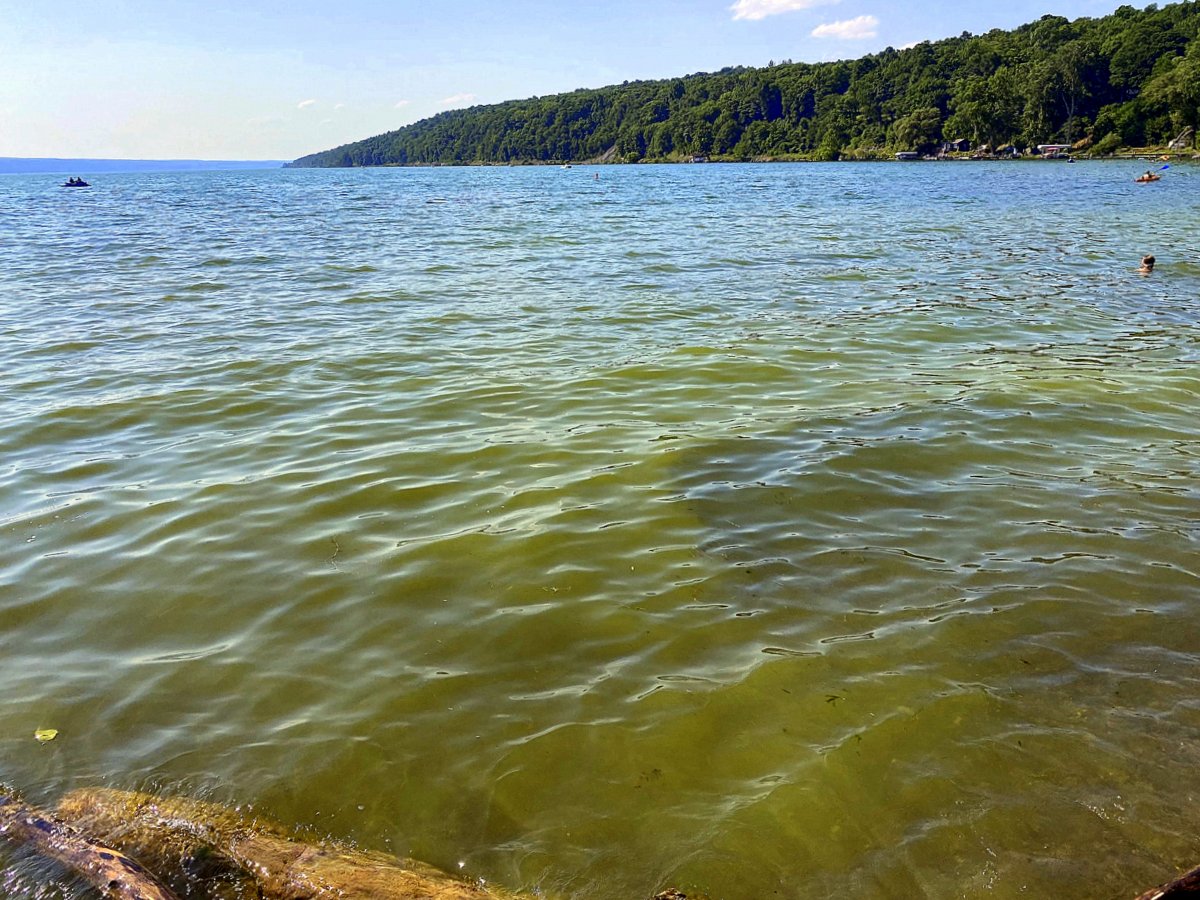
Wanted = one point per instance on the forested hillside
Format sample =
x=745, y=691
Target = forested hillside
x=1128, y=79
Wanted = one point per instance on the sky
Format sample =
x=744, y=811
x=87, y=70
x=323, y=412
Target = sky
x=277, y=79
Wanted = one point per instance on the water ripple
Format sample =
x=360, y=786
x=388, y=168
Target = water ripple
x=720, y=526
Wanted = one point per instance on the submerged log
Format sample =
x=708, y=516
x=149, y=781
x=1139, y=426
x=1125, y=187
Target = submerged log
x=1186, y=885
x=114, y=874
x=163, y=831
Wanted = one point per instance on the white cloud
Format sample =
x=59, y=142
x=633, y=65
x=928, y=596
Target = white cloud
x=855, y=29
x=305, y=104
x=400, y=104
x=760, y=9
x=458, y=98
x=339, y=106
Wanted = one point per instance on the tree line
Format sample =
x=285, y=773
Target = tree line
x=1129, y=79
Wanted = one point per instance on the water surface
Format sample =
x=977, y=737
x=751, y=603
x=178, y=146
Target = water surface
x=777, y=531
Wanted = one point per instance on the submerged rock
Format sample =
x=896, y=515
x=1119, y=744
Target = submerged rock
x=177, y=834
x=114, y=874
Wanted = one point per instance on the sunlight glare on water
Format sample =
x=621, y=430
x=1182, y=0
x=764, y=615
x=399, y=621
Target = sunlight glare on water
x=772, y=531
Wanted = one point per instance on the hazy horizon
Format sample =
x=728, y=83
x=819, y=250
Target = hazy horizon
x=51, y=165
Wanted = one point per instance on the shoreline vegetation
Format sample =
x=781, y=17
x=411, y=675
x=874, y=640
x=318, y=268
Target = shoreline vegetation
x=1126, y=85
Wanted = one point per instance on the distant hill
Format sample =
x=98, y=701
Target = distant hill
x=10, y=164
x=1128, y=79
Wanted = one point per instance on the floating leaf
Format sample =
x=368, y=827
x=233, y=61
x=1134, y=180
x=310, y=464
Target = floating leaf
x=46, y=734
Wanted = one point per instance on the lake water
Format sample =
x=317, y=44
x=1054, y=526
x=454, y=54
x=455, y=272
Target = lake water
x=777, y=531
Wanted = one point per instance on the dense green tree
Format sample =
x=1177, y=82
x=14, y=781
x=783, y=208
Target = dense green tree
x=1176, y=87
x=1131, y=77
x=920, y=130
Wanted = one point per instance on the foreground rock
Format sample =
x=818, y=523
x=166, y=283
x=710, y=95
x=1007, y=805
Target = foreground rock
x=114, y=874
x=179, y=835
x=1186, y=885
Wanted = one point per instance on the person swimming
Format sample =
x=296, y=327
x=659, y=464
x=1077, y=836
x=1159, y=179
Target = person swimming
x=1147, y=265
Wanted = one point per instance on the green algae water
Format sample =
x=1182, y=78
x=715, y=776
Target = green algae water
x=772, y=531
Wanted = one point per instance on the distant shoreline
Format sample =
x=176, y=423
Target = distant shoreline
x=52, y=165
x=1146, y=156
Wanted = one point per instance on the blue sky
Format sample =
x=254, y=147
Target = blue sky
x=276, y=79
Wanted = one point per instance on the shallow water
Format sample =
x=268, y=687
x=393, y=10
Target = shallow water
x=778, y=531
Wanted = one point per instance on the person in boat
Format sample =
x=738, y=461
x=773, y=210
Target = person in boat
x=1147, y=265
